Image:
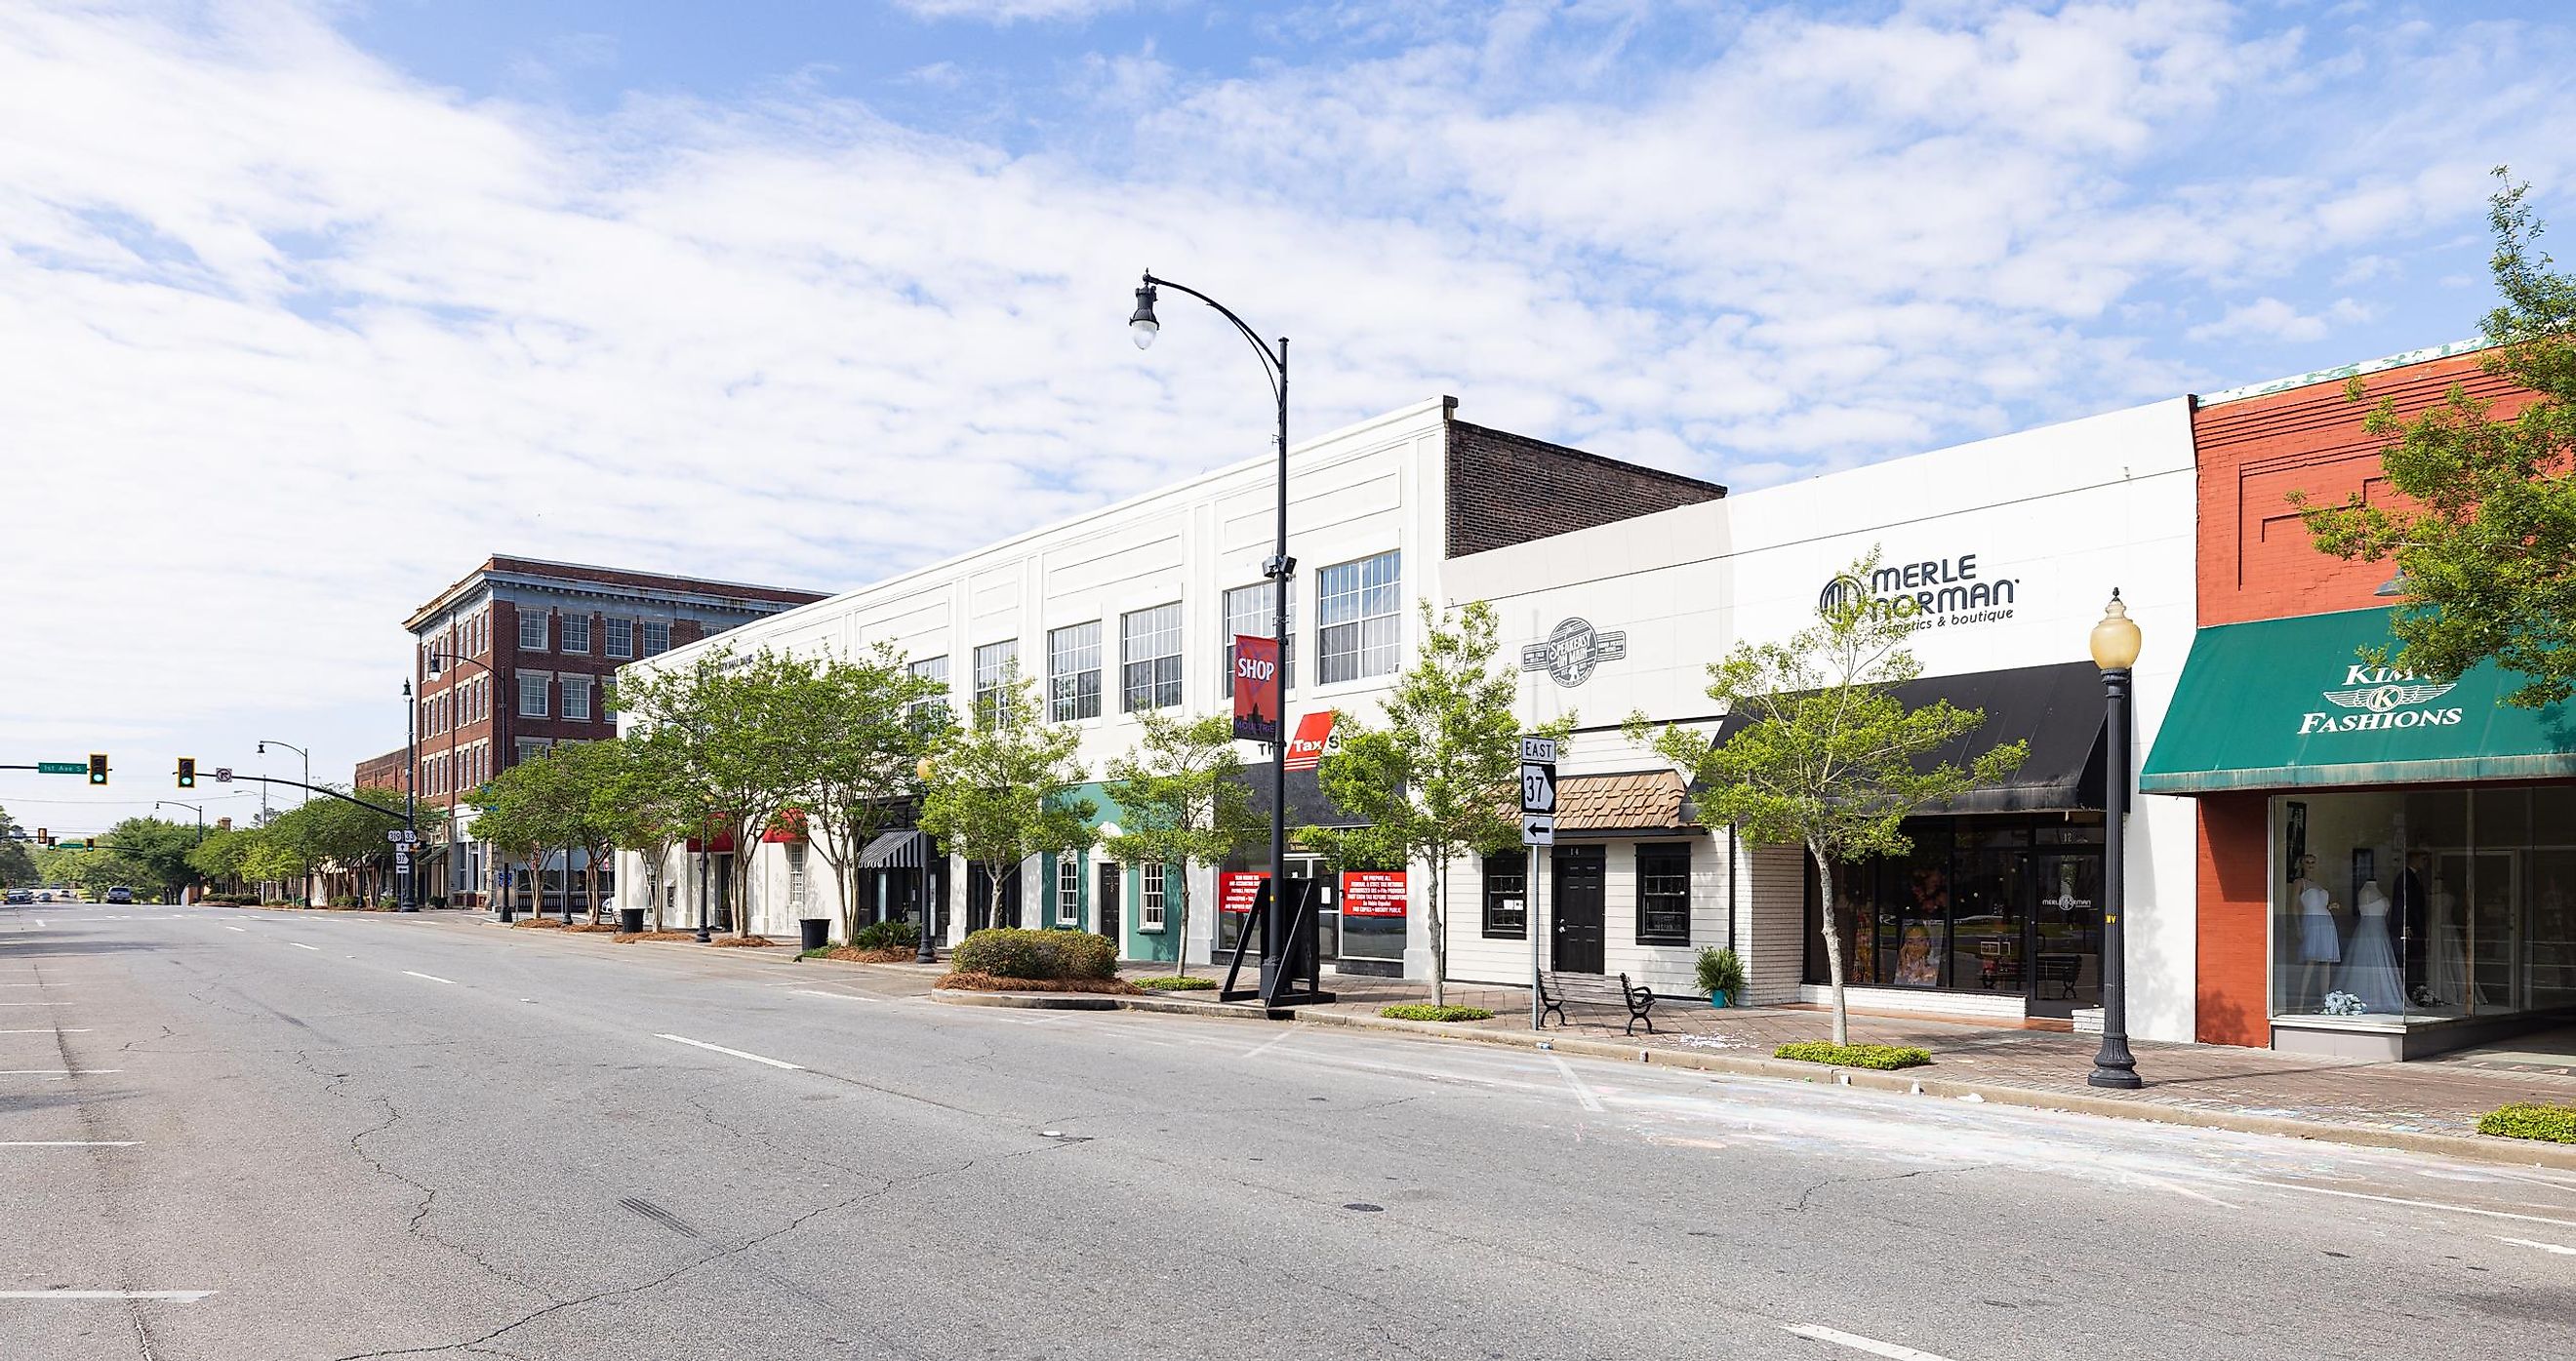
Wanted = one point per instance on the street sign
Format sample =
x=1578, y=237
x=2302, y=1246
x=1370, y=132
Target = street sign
x=60, y=768
x=402, y=860
x=223, y=774
x=402, y=834
x=1538, y=791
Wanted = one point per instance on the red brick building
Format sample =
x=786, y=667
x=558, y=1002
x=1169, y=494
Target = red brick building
x=515, y=657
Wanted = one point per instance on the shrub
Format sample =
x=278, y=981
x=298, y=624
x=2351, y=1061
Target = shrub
x=1177, y=984
x=818, y=952
x=887, y=936
x=2530, y=1120
x=1880, y=1056
x=1720, y=971
x=344, y=900
x=1012, y=953
x=1420, y=1011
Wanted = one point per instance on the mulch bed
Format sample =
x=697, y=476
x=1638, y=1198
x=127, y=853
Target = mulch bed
x=537, y=924
x=985, y=982
x=855, y=955
x=740, y=942
x=624, y=936
x=594, y=928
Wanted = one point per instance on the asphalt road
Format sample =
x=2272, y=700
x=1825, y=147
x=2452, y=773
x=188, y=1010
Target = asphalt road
x=244, y=1135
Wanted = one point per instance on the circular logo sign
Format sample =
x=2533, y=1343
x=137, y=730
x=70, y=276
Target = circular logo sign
x=1844, y=593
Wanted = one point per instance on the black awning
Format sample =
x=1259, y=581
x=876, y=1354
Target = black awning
x=2058, y=709
x=894, y=851
x=1307, y=806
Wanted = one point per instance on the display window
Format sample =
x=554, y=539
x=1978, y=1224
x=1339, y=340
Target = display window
x=2417, y=906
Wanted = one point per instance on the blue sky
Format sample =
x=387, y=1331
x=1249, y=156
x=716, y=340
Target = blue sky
x=379, y=287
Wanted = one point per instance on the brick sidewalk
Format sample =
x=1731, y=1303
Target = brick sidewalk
x=2425, y=1097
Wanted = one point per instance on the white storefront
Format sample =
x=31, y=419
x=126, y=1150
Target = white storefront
x=2015, y=544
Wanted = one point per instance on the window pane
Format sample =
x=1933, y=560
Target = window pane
x=1073, y=672
x=657, y=639
x=576, y=633
x=621, y=637
x=1663, y=895
x=1249, y=614
x=932, y=669
x=532, y=631
x=994, y=663
x=1506, y=895
x=1149, y=654
x=1358, y=606
x=576, y=697
x=532, y=696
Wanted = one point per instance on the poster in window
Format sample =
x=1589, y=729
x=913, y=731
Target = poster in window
x=1256, y=688
x=1373, y=893
x=1235, y=890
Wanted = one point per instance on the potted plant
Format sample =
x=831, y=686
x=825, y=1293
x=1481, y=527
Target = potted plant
x=1721, y=974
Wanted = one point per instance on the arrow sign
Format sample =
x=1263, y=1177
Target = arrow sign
x=223, y=774
x=1537, y=830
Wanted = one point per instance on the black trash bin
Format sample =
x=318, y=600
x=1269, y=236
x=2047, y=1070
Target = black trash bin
x=630, y=919
x=813, y=933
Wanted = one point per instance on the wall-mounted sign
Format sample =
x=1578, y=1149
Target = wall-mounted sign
x=1235, y=890
x=2382, y=697
x=1936, y=593
x=1256, y=689
x=1573, y=650
x=1314, y=737
x=1372, y=893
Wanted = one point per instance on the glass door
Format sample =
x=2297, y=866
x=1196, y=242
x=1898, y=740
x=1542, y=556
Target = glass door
x=2065, y=940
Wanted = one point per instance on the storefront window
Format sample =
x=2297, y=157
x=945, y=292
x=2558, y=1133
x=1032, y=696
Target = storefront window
x=1663, y=895
x=1507, y=896
x=2425, y=905
x=2005, y=905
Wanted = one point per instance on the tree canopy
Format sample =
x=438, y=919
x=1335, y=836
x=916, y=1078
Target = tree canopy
x=996, y=794
x=1182, y=800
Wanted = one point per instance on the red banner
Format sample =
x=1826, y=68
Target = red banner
x=1372, y=893
x=1314, y=734
x=1235, y=891
x=1256, y=689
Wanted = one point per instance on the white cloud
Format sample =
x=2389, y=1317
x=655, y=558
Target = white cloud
x=2273, y=319
x=1008, y=11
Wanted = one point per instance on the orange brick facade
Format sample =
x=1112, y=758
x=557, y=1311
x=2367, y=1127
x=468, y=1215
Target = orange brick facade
x=2256, y=562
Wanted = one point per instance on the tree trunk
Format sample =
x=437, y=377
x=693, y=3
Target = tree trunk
x=1439, y=933
x=1831, y=918
x=1181, y=956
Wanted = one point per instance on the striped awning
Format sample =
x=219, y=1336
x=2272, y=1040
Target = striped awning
x=904, y=850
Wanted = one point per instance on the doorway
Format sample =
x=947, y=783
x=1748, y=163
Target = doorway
x=2065, y=944
x=1581, y=880
x=1106, y=908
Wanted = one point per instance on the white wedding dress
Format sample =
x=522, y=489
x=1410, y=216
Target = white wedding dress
x=2370, y=969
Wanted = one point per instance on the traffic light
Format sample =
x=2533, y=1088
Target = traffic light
x=187, y=772
x=98, y=767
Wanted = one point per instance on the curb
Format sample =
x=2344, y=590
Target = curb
x=1111, y=1001
x=2511, y=1153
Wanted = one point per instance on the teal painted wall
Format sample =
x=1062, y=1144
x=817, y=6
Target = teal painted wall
x=1162, y=946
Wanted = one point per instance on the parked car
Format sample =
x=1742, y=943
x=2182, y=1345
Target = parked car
x=120, y=894
x=20, y=895
x=45, y=895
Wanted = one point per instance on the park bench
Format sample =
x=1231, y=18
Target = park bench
x=1557, y=989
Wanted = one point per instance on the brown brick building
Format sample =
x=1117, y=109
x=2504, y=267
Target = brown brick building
x=515, y=657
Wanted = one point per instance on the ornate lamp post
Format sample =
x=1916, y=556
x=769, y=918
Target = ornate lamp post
x=411, y=799
x=2115, y=646
x=926, y=947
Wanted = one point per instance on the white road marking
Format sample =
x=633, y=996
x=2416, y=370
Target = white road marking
x=2535, y=1243
x=1858, y=1343
x=1581, y=1092
x=69, y=1143
x=181, y=1296
x=302, y=946
x=844, y=996
x=430, y=976
x=701, y=1044
x=1269, y=1044
x=49, y=1030
x=55, y=1072
x=2385, y=1200
x=21, y=985
x=34, y=1004
x=243, y=929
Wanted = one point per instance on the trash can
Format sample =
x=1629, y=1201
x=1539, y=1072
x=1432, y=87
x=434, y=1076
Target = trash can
x=813, y=933
x=630, y=919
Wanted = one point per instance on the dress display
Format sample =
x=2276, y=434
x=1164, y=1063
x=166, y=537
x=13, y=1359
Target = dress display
x=2318, y=941
x=2450, y=975
x=2370, y=969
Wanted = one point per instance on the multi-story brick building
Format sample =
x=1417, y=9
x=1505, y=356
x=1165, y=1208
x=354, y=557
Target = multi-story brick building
x=515, y=657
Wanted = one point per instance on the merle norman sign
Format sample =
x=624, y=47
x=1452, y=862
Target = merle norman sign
x=1935, y=593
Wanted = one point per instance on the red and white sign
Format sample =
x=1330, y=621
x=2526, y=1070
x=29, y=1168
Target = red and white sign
x=1235, y=891
x=1313, y=737
x=1372, y=893
x=1256, y=689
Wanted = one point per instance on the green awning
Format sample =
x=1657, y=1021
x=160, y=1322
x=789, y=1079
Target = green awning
x=2283, y=703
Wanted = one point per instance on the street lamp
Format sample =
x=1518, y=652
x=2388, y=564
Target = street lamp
x=1143, y=327
x=925, y=948
x=2115, y=646
x=411, y=800
x=199, y=811
x=308, y=772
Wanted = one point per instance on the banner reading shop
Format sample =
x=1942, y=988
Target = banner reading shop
x=1235, y=890
x=1372, y=893
x=1256, y=689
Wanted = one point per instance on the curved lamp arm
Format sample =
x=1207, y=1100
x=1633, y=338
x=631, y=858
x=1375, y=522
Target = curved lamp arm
x=1271, y=366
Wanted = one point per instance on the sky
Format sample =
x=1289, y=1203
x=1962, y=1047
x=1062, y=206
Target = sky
x=307, y=308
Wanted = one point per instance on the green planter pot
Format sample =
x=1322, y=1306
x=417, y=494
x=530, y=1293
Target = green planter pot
x=1718, y=1000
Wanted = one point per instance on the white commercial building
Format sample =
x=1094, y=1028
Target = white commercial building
x=2010, y=546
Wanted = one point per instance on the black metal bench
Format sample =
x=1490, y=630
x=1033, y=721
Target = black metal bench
x=1557, y=989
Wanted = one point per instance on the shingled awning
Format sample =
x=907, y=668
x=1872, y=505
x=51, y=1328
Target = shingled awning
x=1630, y=803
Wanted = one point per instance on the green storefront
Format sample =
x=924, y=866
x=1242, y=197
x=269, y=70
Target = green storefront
x=1137, y=906
x=2388, y=862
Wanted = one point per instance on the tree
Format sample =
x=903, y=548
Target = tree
x=528, y=810
x=997, y=795
x=219, y=858
x=1441, y=778
x=733, y=726
x=646, y=807
x=17, y=863
x=857, y=755
x=588, y=773
x=1182, y=800
x=2483, y=526
x=154, y=851
x=1829, y=758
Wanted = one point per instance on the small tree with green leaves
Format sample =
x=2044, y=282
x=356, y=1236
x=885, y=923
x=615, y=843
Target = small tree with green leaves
x=1182, y=800
x=2483, y=527
x=646, y=808
x=529, y=810
x=868, y=724
x=1829, y=758
x=733, y=724
x=1441, y=778
x=996, y=795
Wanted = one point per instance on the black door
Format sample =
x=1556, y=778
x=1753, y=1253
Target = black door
x=2066, y=932
x=1581, y=875
x=1106, y=906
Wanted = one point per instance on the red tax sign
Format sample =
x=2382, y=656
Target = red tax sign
x=1234, y=890
x=1256, y=689
x=1314, y=736
x=1372, y=893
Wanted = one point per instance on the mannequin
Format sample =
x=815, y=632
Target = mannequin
x=2320, y=947
x=2450, y=977
x=2370, y=969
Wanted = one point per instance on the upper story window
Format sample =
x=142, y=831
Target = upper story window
x=1151, y=887
x=576, y=697
x=931, y=669
x=1663, y=894
x=657, y=637
x=1149, y=656
x=532, y=631
x=994, y=665
x=576, y=633
x=1249, y=614
x=1073, y=672
x=532, y=694
x=1358, y=617
x=621, y=638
